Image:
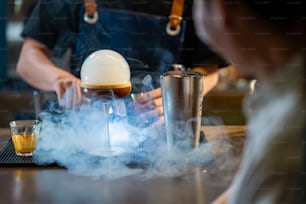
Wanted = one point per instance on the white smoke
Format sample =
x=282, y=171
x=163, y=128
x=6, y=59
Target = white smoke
x=69, y=138
x=74, y=139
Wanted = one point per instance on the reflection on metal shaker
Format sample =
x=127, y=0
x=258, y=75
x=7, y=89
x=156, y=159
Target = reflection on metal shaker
x=182, y=93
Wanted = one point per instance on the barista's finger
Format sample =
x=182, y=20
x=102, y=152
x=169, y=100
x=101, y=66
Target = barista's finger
x=155, y=116
x=148, y=96
x=159, y=122
x=66, y=96
x=58, y=89
x=156, y=93
x=152, y=104
x=158, y=111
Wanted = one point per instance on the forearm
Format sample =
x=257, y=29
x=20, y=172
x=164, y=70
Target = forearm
x=36, y=68
x=211, y=76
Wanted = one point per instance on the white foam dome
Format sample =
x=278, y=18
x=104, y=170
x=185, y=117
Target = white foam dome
x=105, y=67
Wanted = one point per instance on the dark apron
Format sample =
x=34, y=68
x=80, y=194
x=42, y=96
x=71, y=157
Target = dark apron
x=142, y=39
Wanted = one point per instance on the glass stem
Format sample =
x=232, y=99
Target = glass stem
x=106, y=126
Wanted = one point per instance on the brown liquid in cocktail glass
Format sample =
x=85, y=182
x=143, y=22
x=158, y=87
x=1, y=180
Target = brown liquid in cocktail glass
x=106, y=91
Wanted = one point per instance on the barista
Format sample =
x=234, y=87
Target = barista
x=135, y=29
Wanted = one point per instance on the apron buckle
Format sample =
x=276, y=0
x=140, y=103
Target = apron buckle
x=91, y=19
x=173, y=30
x=91, y=15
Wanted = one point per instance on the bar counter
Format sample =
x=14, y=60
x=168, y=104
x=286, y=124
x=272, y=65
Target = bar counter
x=53, y=184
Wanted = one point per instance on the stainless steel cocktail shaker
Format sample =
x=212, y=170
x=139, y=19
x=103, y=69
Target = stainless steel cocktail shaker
x=182, y=93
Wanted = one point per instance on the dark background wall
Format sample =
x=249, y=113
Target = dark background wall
x=14, y=13
x=3, y=43
x=16, y=96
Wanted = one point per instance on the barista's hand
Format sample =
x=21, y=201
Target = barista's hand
x=152, y=105
x=223, y=198
x=68, y=91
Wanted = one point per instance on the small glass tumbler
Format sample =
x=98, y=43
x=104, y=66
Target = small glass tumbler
x=25, y=136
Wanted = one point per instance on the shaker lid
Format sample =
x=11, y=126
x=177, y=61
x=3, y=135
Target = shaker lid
x=179, y=70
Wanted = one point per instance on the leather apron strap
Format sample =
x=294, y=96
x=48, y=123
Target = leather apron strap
x=91, y=14
x=175, y=17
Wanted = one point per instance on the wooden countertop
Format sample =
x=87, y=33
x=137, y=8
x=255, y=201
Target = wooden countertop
x=199, y=185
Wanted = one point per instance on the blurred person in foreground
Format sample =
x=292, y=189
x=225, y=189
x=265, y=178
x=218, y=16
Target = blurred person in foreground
x=264, y=40
x=135, y=29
